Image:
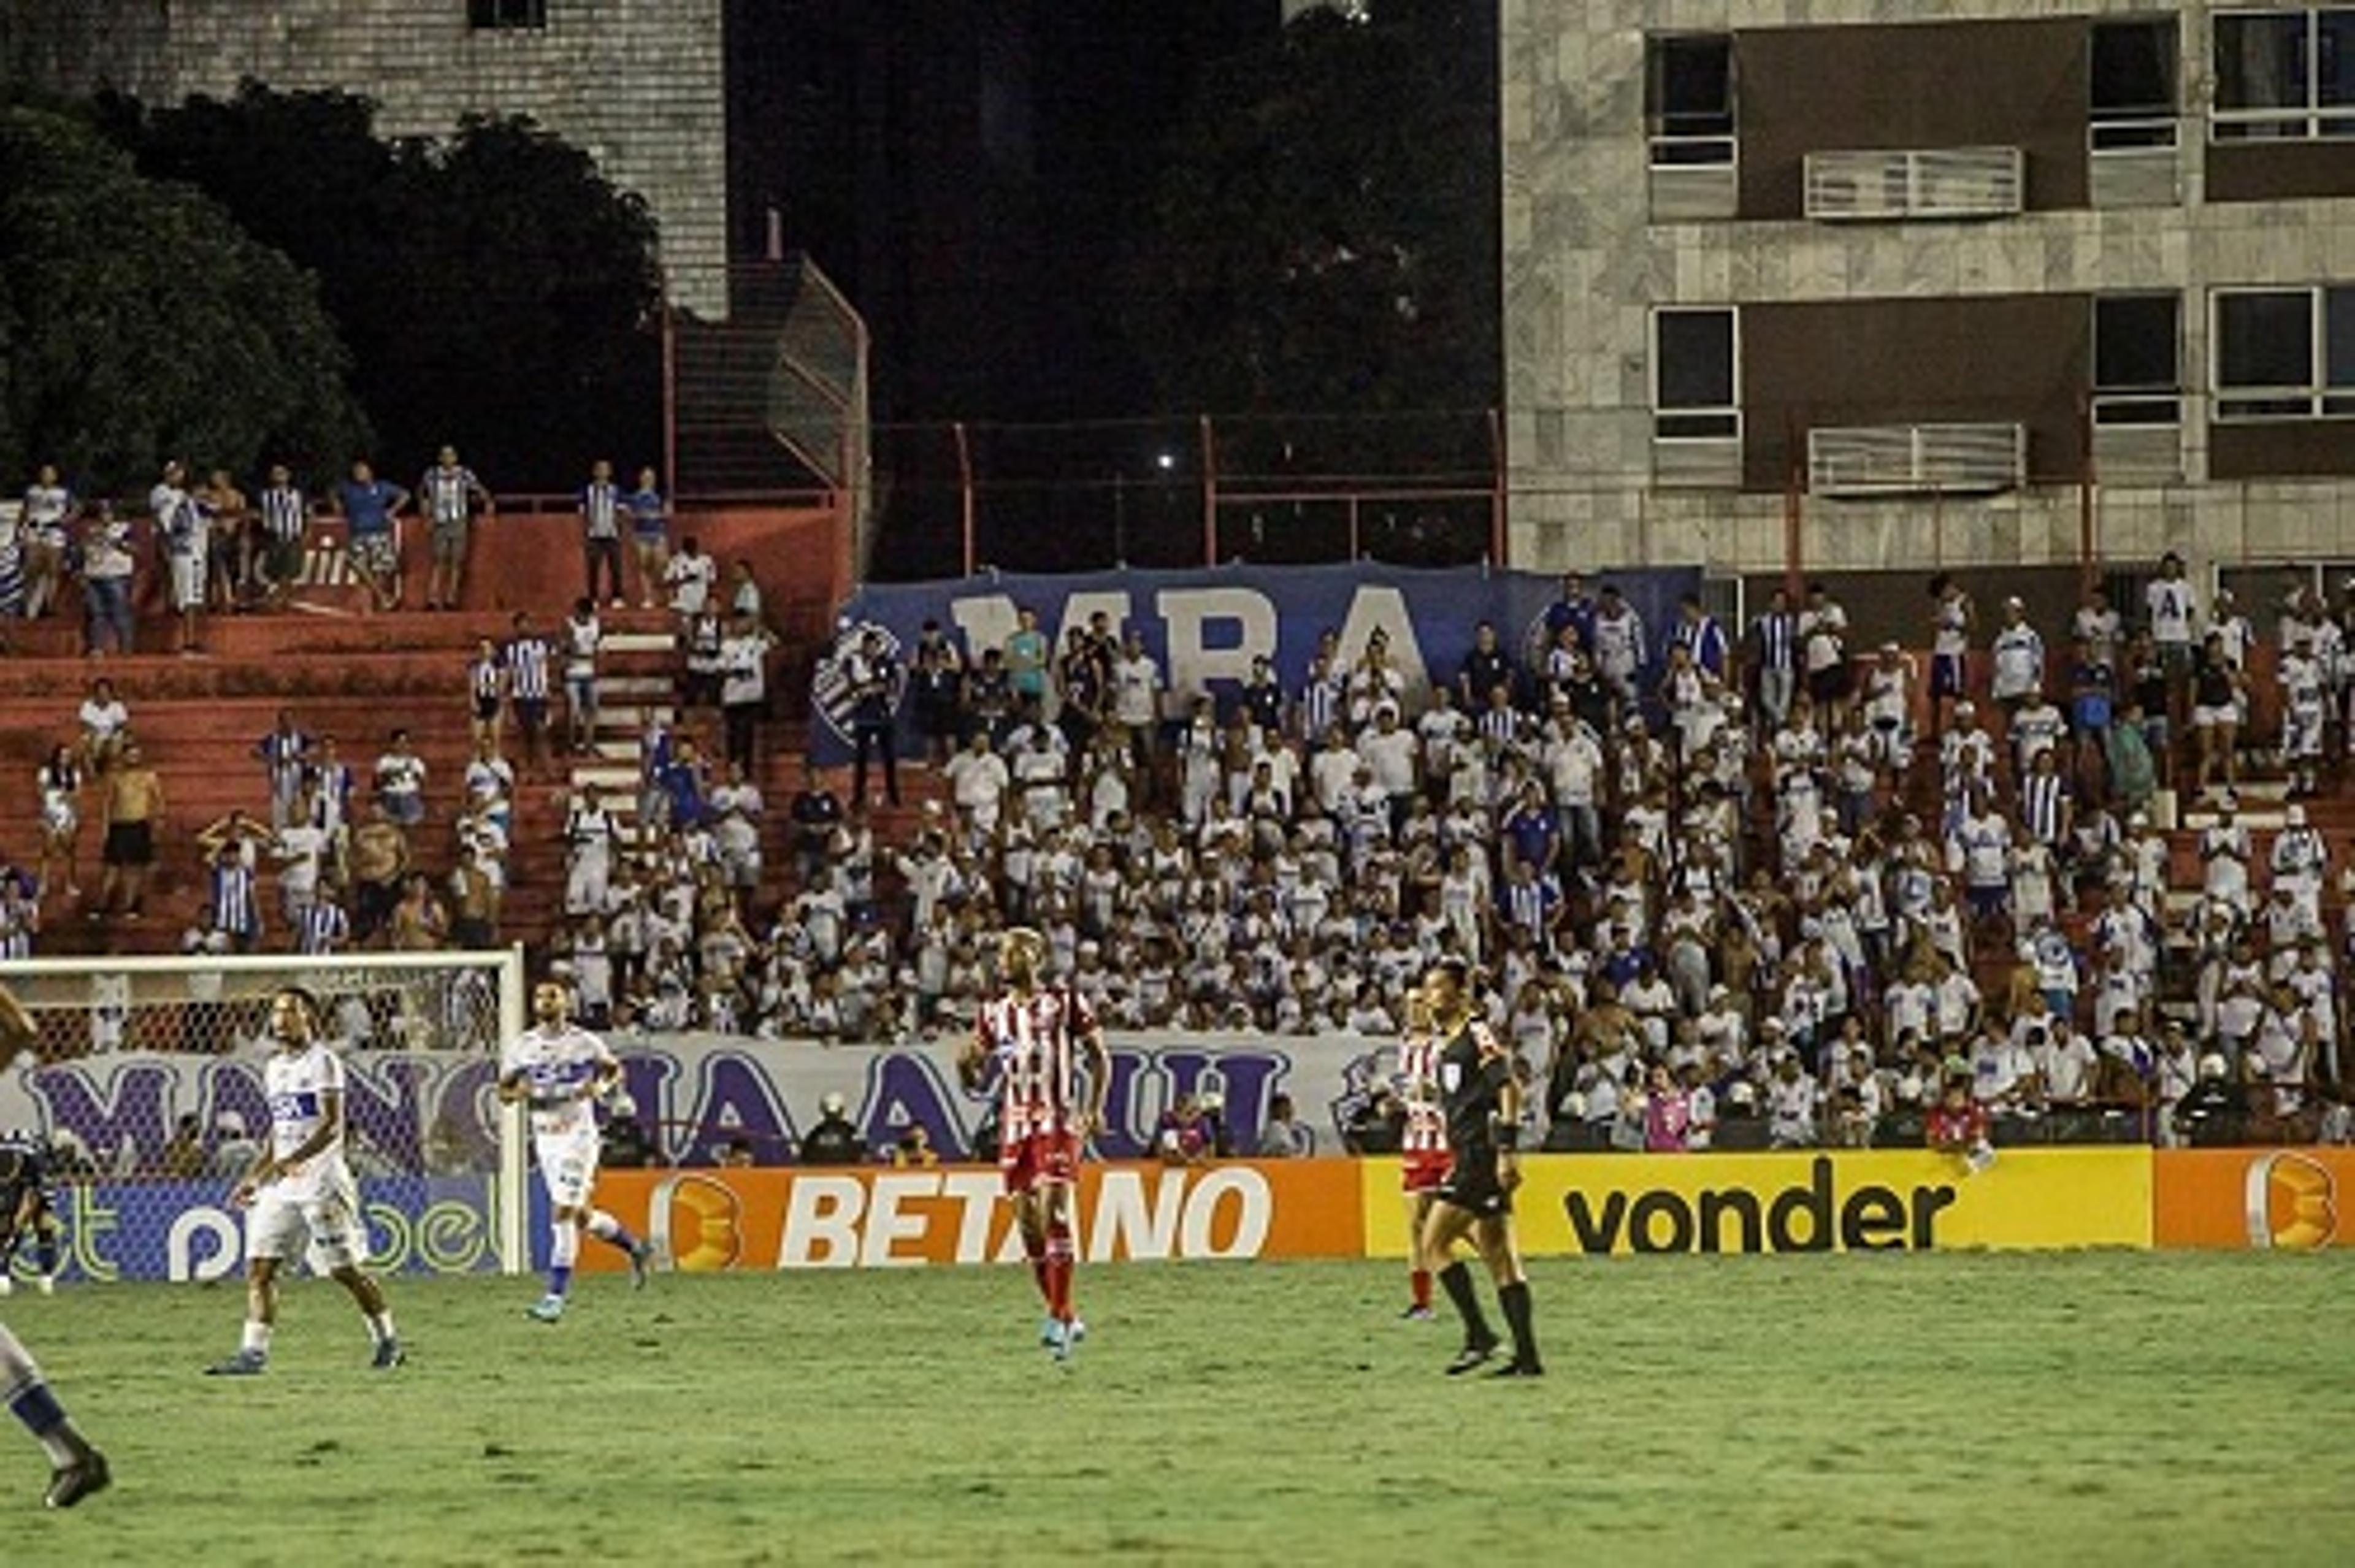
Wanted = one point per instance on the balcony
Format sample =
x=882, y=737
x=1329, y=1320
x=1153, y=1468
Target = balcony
x=1916, y=459
x=1940, y=183
x=1695, y=179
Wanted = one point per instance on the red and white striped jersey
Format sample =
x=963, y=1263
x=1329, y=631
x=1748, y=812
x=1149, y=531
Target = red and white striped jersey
x=1418, y=1089
x=1035, y=1040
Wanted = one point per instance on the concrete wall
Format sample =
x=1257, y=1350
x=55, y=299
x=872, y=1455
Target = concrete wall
x=1583, y=263
x=637, y=84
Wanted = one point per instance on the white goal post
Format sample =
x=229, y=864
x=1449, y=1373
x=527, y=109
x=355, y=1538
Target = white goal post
x=145, y=1076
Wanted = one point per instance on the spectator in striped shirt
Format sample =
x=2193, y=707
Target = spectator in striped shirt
x=323, y=928
x=448, y=495
x=230, y=846
x=285, y=523
x=602, y=505
x=526, y=658
x=1774, y=659
x=285, y=752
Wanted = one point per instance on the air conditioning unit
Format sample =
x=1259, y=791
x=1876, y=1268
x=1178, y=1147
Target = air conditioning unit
x=1939, y=183
x=1917, y=459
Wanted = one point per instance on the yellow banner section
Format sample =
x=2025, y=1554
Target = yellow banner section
x=1814, y=1201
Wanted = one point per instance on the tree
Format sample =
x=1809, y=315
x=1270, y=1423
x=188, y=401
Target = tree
x=498, y=292
x=1325, y=238
x=138, y=323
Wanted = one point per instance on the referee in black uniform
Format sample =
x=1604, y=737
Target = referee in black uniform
x=1483, y=1105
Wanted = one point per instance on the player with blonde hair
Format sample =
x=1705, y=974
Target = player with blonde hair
x=1029, y=1040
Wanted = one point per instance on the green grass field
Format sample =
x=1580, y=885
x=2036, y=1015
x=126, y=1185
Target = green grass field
x=1947, y=1409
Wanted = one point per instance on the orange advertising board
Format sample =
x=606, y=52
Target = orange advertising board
x=2291, y=1199
x=876, y=1217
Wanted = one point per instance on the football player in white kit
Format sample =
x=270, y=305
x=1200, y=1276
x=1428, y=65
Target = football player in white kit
x=559, y=1069
x=300, y=1190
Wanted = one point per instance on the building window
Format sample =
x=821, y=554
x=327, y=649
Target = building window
x=506, y=15
x=2285, y=353
x=2285, y=75
x=2130, y=94
x=1697, y=373
x=1688, y=98
x=2136, y=359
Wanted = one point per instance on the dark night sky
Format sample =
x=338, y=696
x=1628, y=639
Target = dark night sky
x=966, y=171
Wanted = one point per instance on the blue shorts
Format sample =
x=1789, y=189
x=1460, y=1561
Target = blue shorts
x=1989, y=903
x=1945, y=675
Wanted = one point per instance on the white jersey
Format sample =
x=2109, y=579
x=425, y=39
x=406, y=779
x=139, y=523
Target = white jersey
x=556, y=1064
x=298, y=1084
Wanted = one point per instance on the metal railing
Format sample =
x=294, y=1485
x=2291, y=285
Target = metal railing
x=1895, y=460
x=1945, y=182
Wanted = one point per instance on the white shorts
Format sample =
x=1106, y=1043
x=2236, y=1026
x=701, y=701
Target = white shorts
x=187, y=582
x=568, y=1167
x=2215, y=718
x=327, y=1220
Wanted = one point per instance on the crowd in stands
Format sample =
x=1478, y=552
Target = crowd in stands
x=1709, y=872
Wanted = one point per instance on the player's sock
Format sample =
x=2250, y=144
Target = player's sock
x=45, y=1255
x=564, y=1250
x=1515, y=1299
x=1420, y=1279
x=1456, y=1280
x=380, y=1329
x=256, y=1341
x=29, y=1400
x=1058, y=1270
x=611, y=1231
x=1036, y=1252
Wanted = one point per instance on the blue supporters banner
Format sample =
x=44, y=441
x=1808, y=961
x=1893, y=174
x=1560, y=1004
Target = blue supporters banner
x=1204, y=627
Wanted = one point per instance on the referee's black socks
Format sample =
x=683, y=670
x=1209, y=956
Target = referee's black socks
x=1456, y=1280
x=1515, y=1299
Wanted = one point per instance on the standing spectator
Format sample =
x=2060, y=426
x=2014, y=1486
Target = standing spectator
x=400, y=781
x=371, y=511
x=1952, y=618
x=816, y=813
x=231, y=545
x=744, y=691
x=285, y=529
x=703, y=635
x=1823, y=636
x=487, y=686
x=1136, y=688
x=184, y=530
x=1620, y=648
x=690, y=575
x=582, y=638
x=2093, y=700
x=2304, y=684
x=649, y=536
x=12, y=532
x=874, y=680
x=591, y=834
x=526, y=658
x=49, y=516
x=108, y=577
x=602, y=504
x=285, y=752
x=60, y=781
x=1028, y=653
x=2171, y=613
x=2019, y=653
x=448, y=495
x=105, y=725
x=2218, y=689
x=233, y=888
x=937, y=688
x=744, y=591
x=1698, y=631
x=1774, y=657
x=1486, y=667
x=135, y=808
x=379, y=865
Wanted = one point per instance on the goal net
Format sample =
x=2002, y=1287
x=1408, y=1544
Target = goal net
x=147, y=1079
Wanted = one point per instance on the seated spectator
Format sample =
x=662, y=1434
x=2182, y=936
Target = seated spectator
x=1283, y=1137
x=832, y=1140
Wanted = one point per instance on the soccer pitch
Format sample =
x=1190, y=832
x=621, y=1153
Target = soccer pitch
x=1950, y=1408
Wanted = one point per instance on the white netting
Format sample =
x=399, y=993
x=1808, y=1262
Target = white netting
x=145, y=1077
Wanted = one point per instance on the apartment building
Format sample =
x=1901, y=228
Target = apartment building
x=1873, y=284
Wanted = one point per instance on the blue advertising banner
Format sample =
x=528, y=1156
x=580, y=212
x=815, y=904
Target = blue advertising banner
x=1204, y=627
x=186, y=1231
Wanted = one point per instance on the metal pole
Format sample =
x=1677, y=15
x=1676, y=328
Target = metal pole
x=1209, y=493
x=965, y=497
x=1793, y=562
x=1119, y=519
x=669, y=389
x=2088, y=549
x=1357, y=550
x=1498, y=495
